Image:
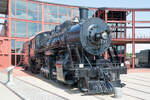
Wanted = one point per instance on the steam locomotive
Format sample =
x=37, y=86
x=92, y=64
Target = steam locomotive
x=73, y=53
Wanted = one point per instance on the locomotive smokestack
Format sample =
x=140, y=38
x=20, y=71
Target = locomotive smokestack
x=83, y=13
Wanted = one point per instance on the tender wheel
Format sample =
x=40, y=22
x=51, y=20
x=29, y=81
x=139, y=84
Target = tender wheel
x=33, y=68
x=82, y=85
x=26, y=68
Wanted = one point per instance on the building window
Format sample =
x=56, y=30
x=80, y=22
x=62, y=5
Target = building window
x=32, y=29
x=12, y=46
x=21, y=29
x=21, y=7
x=50, y=14
x=19, y=46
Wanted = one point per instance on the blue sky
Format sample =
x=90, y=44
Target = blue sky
x=104, y=3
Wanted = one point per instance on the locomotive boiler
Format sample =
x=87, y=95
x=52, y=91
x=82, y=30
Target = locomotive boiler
x=73, y=53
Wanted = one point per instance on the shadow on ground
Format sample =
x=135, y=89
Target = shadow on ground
x=68, y=88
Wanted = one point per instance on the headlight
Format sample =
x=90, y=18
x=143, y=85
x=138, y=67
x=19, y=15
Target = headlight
x=105, y=35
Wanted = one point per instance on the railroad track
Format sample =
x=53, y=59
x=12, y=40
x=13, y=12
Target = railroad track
x=21, y=86
x=63, y=98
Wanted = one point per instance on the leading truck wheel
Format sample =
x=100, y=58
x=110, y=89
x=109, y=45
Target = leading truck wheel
x=52, y=73
x=33, y=70
x=82, y=85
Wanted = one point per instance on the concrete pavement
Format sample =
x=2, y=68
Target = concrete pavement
x=6, y=94
x=35, y=87
x=24, y=90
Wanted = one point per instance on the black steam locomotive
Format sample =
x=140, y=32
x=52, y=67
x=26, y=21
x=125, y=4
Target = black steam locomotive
x=73, y=53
